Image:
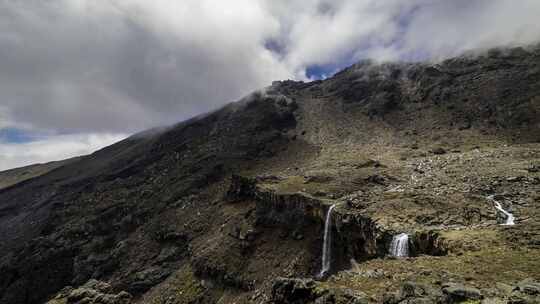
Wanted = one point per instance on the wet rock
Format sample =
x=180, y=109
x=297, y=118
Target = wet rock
x=295, y=291
x=428, y=242
x=241, y=187
x=297, y=235
x=251, y=235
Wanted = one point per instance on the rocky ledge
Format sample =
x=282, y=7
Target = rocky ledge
x=93, y=292
x=355, y=235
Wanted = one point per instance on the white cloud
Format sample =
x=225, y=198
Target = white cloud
x=448, y=28
x=120, y=66
x=126, y=65
x=53, y=148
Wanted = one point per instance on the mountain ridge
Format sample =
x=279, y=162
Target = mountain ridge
x=349, y=139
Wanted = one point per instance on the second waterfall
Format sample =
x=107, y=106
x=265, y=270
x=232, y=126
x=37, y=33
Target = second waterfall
x=400, y=245
x=327, y=243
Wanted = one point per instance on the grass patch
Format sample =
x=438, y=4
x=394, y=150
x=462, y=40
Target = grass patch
x=182, y=287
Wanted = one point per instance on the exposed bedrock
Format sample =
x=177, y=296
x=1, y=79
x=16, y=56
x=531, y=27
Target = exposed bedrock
x=427, y=242
x=354, y=235
x=304, y=291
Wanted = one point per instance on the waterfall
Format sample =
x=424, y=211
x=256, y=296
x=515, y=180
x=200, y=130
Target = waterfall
x=400, y=245
x=509, y=216
x=327, y=242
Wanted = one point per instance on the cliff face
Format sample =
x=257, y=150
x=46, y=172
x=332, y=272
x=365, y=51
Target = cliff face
x=355, y=235
x=217, y=207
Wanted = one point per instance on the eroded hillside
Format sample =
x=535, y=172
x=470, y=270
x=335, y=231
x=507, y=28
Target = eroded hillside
x=230, y=207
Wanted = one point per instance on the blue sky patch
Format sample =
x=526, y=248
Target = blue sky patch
x=323, y=71
x=14, y=135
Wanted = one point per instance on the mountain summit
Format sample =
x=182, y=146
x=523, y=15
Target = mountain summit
x=231, y=206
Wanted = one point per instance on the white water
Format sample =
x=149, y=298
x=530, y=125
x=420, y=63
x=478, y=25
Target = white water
x=509, y=216
x=327, y=242
x=400, y=245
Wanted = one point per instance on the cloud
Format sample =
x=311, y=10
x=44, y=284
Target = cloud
x=126, y=65
x=53, y=148
x=447, y=28
x=123, y=66
x=120, y=66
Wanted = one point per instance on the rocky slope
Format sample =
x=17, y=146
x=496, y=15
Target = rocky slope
x=229, y=207
x=18, y=175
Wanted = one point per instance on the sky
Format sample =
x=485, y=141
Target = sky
x=78, y=75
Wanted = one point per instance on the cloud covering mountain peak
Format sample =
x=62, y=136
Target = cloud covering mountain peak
x=102, y=67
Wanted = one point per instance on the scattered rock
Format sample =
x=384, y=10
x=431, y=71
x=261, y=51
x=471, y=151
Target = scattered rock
x=307, y=291
x=95, y=292
x=376, y=179
x=297, y=235
x=320, y=193
x=438, y=151
x=147, y=278
x=513, y=179
x=412, y=292
x=317, y=179
x=457, y=293
x=268, y=178
x=369, y=163
x=411, y=289
x=533, y=168
x=251, y=235
x=529, y=286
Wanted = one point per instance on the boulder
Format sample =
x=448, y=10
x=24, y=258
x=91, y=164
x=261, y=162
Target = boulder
x=529, y=287
x=411, y=289
x=457, y=293
x=438, y=151
x=95, y=292
x=414, y=293
x=307, y=291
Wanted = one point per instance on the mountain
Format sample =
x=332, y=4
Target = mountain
x=17, y=175
x=231, y=206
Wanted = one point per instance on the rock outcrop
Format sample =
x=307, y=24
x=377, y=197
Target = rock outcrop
x=307, y=291
x=354, y=235
x=93, y=292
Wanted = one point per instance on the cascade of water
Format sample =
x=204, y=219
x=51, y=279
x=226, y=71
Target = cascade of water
x=327, y=242
x=400, y=245
x=509, y=216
